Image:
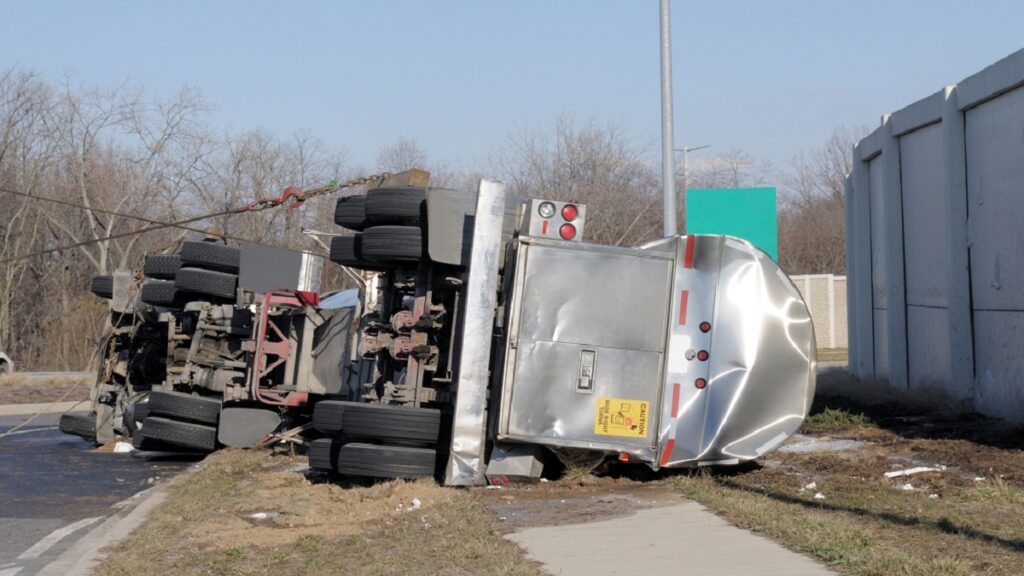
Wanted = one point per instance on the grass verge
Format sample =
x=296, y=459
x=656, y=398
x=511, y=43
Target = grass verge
x=246, y=513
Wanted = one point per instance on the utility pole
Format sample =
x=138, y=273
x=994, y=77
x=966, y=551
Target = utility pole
x=668, y=177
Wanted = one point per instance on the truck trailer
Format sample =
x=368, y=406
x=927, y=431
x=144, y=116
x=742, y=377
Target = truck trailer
x=485, y=336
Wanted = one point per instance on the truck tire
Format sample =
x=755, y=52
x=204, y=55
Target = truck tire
x=102, y=286
x=397, y=206
x=162, y=293
x=346, y=250
x=375, y=461
x=210, y=256
x=181, y=406
x=79, y=424
x=392, y=244
x=350, y=212
x=182, y=434
x=377, y=422
x=210, y=282
x=162, y=266
x=321, y=456
x=142, y=443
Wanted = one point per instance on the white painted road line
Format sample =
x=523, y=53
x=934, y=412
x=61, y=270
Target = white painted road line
x=56, y=536
x=30, y=430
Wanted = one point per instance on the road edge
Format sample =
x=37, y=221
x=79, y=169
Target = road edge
x=44, y=408
x=87, y=553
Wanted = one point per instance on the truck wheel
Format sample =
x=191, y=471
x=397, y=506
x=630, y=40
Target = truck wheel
x=377, y=422
x=350, y=212
x=397, y=205
x=346, y=250
x=162, y=293
x=322, y=454
x=181, y=406
x=140, y=442
x=209, y=282
x=210, y=256
x=183, y=434
x=79, y=424
x=162, y=266
x=375, y=461
x=102, y=286
x=392, y=244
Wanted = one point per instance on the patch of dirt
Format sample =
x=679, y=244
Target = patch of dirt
x=554, y=503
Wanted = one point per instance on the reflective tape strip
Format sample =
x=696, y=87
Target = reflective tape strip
x=688, y=258
x=675, y=400
x=684, y=300
x=669, y=446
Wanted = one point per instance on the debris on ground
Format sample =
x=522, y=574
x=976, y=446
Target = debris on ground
x=915, y=470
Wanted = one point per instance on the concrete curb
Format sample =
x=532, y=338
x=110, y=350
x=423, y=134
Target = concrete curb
x=85, y=555
x=45, y=408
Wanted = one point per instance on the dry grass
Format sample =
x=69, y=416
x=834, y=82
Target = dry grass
x=966, y=519
x=28, y=389
x=313, y=528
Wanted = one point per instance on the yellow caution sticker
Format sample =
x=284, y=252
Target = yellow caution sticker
x=621, y=417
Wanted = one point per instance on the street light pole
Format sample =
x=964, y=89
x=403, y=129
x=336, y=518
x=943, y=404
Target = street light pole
x=668, y=177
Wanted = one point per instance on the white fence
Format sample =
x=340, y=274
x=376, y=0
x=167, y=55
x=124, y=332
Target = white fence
x=825, y=295
x=935, y=244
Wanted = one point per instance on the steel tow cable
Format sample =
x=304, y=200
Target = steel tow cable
x=293, y=195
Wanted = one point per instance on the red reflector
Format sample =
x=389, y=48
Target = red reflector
x=702, y=355
x=623, y=457
x=570, y=212
x=700, y=383
x=705, y=326
x=567, y=231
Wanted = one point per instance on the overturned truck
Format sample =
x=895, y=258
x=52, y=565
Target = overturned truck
x=485, y=336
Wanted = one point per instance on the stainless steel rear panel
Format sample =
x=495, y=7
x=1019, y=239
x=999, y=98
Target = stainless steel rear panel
x=696, y=349
x=586, y=333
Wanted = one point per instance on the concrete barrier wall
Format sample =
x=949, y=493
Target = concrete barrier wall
x=935, y=245
x=825, y=295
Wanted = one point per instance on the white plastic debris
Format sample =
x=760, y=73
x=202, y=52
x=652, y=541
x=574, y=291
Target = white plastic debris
x=811, y=486
x=933, y=496
x=819, y=496
x=979, y=479
x=907, y=486
x=544, y=480
x=123, y=447
x=493, y=487
x=415, y=504
x=915, y=470
x=261, y=516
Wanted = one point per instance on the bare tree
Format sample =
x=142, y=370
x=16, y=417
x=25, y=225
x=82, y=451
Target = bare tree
x=403, y=154
x=812, y=222
x=593, y=164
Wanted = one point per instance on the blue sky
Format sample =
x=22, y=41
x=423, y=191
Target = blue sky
x=771, y=78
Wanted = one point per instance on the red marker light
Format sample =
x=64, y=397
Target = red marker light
x=705, y=326
x=700, y=383
x=567, y=231
x=702, y=355
x=570, y=212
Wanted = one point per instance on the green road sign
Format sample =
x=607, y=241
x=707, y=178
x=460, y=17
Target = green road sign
x=747, y=213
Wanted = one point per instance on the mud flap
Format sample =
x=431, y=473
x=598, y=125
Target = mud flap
x=246, y=427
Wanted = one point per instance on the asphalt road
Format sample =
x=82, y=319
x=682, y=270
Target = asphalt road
x=54, y=488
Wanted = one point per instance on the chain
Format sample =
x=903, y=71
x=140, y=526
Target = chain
x=298, y=196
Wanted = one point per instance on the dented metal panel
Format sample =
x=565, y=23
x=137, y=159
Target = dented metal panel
x=706, y=348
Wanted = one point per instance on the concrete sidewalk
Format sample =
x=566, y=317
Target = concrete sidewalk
x=680, y=539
